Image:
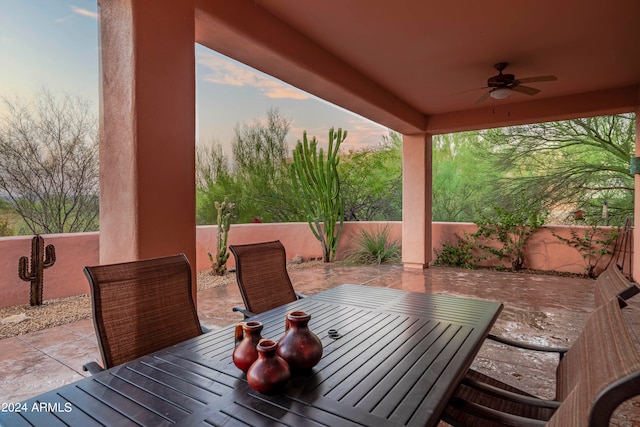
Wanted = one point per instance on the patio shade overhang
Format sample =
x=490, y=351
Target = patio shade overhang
x=413, y=65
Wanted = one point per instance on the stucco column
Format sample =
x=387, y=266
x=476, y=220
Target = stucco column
x=636, y=206
x=416, y=200
x=147, y=130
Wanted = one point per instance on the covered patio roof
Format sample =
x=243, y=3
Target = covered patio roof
x=413, y=65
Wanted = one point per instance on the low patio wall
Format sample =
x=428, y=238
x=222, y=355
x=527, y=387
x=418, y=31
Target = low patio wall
x=64, y=278
x=74, y=251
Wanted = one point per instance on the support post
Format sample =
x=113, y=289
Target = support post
x=416, y=200
x=147, y=130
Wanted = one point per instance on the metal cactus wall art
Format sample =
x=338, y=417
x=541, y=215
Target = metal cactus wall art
x=38, y=265
x=317, y=185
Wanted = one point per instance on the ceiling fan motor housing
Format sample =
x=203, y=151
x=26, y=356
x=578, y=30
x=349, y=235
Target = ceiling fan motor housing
x=501, y=80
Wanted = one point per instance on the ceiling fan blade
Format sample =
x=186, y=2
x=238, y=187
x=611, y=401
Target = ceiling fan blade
x=538, y=79
x=471, y=90
x=483, y=97
x=525, y=89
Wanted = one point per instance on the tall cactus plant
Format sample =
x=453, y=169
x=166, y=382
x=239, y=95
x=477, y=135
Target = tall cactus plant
x=317, y=185
x=225, y=210
x=38, y=265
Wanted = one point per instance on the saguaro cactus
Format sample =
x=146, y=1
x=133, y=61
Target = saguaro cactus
x=317, y=185
x=38, y=264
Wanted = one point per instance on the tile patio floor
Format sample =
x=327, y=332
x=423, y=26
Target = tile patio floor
x=546, y=310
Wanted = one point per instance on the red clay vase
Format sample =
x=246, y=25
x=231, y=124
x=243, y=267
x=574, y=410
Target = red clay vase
x=300, y=347
x=270, y=372
x=247, y=337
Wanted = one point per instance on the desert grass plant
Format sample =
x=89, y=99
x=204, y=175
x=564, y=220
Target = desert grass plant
x=375, y=247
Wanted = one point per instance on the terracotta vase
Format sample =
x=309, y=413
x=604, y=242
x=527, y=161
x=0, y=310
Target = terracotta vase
x=300, y=347
x=270, y=372
x=247, y=337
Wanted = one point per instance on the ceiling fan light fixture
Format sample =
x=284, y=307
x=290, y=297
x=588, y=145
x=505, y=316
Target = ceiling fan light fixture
x=500, y=93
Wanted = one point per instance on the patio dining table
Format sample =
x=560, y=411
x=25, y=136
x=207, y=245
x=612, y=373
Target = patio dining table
x=397, y=359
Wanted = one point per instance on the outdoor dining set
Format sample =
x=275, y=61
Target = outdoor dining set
x=352, y=355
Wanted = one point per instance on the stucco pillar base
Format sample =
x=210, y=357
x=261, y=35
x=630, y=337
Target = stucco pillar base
x=415, y=265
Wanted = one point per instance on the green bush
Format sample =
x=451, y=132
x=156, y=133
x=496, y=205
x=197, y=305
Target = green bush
x=5, y=227
x=461, y=253
x=511, y=229
x=375, y=248
x=593, y=245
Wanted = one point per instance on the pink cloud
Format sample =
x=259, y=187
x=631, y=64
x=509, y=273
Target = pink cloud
x=84, y=12
x=225, y=72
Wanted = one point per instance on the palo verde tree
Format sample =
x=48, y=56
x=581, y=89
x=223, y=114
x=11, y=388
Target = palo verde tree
x=214, y=181
x=463, y=177
x=582, y=163
x=49, y=162
x=371, y=181
x=317, y=183
x=256, y=177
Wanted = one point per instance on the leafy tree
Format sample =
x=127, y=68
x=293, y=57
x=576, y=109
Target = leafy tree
x=582, y=163
x=211, y=164
x=371, y=181
x=463, y=179
x=49, y=162
x=260, y=154
x=258, y=180
x=7, y=216
x=214, y=181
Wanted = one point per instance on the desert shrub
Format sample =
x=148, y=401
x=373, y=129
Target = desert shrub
x=511, y=229
x=593, y=244
x=375, y=247
x=461, y=253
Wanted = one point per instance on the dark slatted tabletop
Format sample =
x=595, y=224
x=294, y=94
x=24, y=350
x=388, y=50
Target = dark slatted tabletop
x=399, y=357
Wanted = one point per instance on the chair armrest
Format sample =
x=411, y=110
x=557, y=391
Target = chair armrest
x=509, y=395
x=501, y=418
x=560, y=350
x=299, y=295
x=92, y=367
x=246, y=312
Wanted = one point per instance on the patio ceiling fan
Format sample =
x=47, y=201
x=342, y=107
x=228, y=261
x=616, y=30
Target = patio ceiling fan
x=502, y=85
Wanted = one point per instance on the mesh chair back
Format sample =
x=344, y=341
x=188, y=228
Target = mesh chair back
x=142, y=306
x=261, y=273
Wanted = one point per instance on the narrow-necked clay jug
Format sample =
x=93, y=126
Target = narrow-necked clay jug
x=300, y=347
x=247, y=337
x=270, y=372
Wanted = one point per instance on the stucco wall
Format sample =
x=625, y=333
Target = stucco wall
x=74, y=251
x=64, y=278
x=544, y=251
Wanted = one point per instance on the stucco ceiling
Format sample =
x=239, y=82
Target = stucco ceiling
x=427, y=57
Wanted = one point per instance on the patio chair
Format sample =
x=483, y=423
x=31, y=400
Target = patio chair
x=600, y=371
x=611, y=283
x=140, y=307
x=261, y=273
